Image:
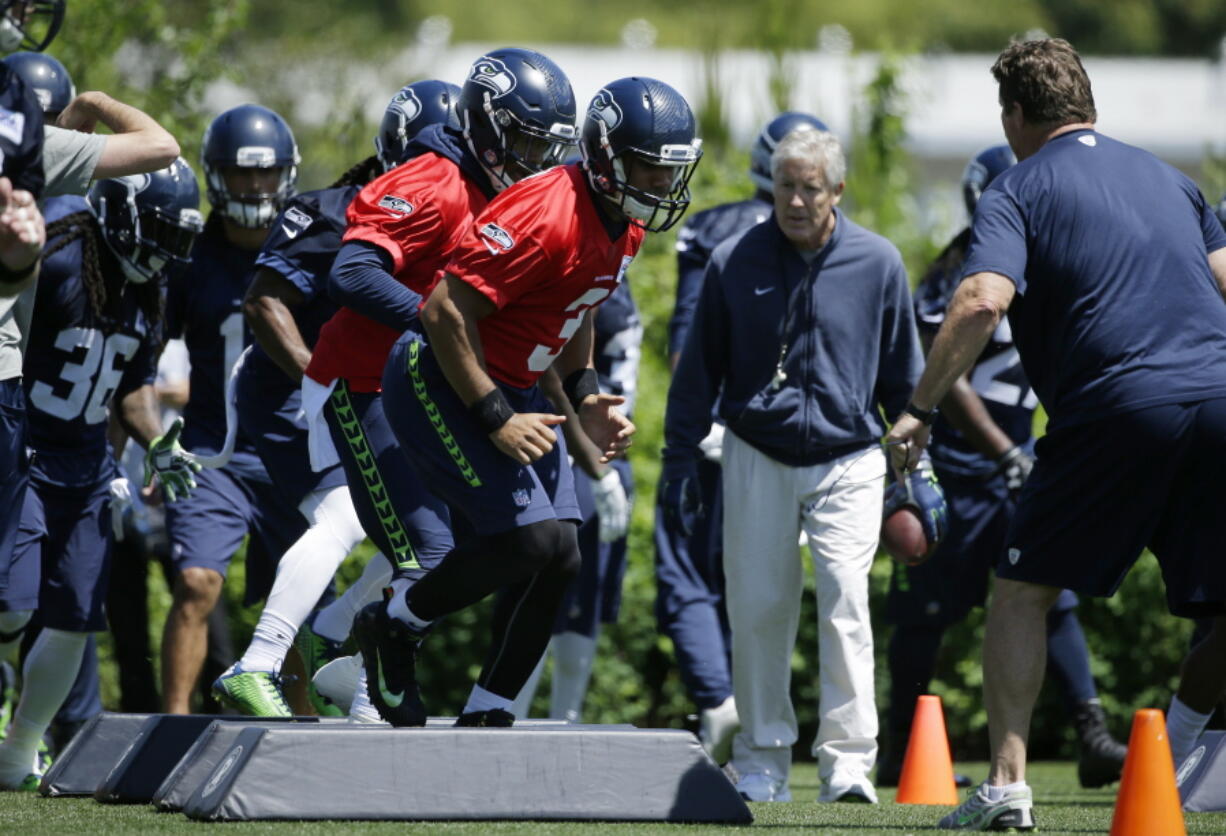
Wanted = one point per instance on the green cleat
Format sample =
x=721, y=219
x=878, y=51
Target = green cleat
x=8, y=697
x=254, y=693
x=29, y=783
x=317, y=651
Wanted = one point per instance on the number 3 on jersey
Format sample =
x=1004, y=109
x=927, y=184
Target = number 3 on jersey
x=99, y=358
x=542, y=356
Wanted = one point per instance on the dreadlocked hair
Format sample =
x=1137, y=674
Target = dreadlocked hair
x=83, y=226
x=361, y=173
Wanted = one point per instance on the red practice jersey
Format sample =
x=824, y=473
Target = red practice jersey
x=417, y=212
x=541, y=254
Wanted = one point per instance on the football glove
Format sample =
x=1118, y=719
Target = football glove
x=1015, y=465
x=923, y=492
x=612, y=506
x=680, y=498
x=121, y=500
x=173, y=466
x=712, y=446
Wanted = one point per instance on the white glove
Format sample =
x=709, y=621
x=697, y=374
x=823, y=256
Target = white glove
x=713, y=445
x=121, y=501
x=612, y=506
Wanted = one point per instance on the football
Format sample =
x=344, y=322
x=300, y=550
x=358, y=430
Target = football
x=902, y=537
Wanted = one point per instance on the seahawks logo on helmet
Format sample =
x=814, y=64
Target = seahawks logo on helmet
x=604, y=108
x=492, y=73
x=138, y=182
x=395, y=205
x=408, y=104
x=497, y=239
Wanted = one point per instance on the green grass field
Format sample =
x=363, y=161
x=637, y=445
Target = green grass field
x=1063, y=807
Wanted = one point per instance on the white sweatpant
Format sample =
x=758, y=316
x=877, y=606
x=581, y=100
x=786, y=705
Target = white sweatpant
x=766, y=505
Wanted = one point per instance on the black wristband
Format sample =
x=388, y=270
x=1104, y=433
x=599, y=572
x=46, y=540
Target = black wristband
x=578, y=385
x=491, y=411
x=926, y=416
x=8, y=276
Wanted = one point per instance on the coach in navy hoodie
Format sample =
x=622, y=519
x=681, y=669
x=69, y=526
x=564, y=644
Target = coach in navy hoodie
x=805, y=324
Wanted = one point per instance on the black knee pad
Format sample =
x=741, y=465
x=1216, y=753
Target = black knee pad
x=568, y=559
x=535, y=546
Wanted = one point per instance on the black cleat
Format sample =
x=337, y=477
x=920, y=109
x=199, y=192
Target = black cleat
x=1101, y=760
x=495, y=718
x=389, y=653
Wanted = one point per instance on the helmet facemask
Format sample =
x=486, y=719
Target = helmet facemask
x=30, y=24
x=520, y=149
x=250, y=210
x=152, y=240
x=652, y=212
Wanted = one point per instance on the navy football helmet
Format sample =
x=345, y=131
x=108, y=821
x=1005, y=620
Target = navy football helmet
x=149, y=221
x=46, y=76
x=775, y=130
x=29, y=24
x=983, y=168
x=641, y=120
x=517, y=112
x=249, y=136
x=417, y=105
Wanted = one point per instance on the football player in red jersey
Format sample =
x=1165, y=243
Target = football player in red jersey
x=517, y=116
x=461, y=393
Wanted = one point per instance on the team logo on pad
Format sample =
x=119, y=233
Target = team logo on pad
x=396, y=205
x=497, y=239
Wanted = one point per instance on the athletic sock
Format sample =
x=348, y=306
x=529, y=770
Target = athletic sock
x=998, y=793
x=482, y=700
x=50, y=669
x=398, y=606
x=361, y=709
x=273, y=637
x=336, y=620
x=1183, y=726
x=573, y=655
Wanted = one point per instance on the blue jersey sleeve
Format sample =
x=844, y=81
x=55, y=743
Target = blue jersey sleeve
x=1211, y=226
x=998, y=238
x=362, y=279
x=700, y=371
x=142, y=369
x=901, y=357
x=692, y=258
x=302, y=244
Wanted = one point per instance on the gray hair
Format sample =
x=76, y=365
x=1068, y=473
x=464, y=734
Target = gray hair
x=821, y=148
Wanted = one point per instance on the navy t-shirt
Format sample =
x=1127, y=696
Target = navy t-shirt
x=1116, y=308
x=301, y=247
x=204, y=307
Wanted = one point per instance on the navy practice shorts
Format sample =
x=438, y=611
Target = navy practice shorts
x=18, y=585
x=945, y=588
x=207, y=528
x=279, y=432
x=409, y=524
x=66, y=534
x=594, y=597
x=454, y=457
x=1104, y=491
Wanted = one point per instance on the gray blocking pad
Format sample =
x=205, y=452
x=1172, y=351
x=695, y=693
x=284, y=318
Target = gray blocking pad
x=219, y=738
x=157, y=747
x=1202, y=775
x=537, y=772
x=93, y=751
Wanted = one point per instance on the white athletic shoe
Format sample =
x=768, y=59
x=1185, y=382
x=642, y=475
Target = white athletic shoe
x=717, y=728
x=337, y=679
x=756, y=786
x=845, y=787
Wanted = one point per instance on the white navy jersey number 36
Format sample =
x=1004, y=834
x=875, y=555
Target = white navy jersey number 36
x=91, y=373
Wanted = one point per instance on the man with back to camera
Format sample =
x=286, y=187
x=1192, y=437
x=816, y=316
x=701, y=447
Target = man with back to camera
x=982, y=451
x=806, y=352
x=689, y=553
x=1112, y=268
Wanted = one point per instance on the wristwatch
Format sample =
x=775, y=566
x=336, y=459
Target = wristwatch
x=926, y=416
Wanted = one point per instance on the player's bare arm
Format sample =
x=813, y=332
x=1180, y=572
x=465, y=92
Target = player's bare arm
x=450, y=318
x=598, y=412
x=975, y=311
x=1217, y=263
x=138, y=415
x=268, y=311
x=139, y=143
x=963, y=408
x=581, y=448
x=22, y=236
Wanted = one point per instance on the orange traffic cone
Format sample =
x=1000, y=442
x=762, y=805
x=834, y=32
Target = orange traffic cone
x=1148, y=801
x=927, y=770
